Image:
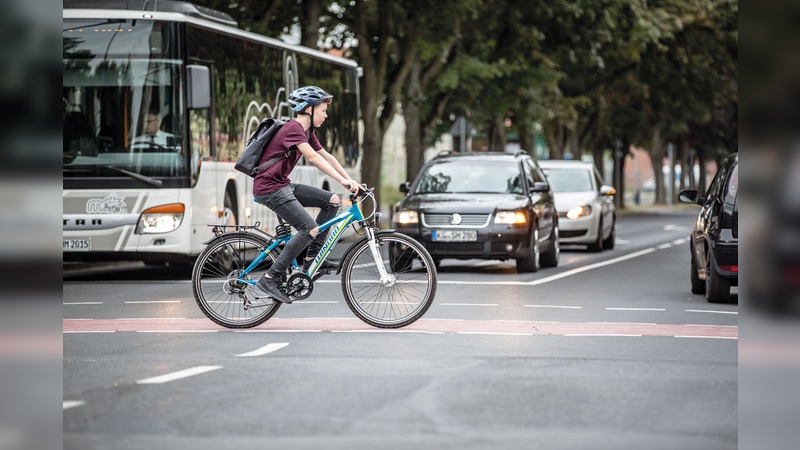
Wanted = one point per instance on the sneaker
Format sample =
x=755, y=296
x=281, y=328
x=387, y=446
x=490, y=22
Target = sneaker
x=272, y=289
x=326, y=265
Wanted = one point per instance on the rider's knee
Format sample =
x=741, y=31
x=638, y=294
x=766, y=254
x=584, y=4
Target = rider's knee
x=334, y=202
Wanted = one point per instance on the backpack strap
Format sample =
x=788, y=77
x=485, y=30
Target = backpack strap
x=272, y=161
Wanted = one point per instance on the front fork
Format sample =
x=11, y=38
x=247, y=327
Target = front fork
x=386, y=278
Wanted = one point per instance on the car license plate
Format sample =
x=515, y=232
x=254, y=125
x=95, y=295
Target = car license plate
x=77, y=245
x=454, y=236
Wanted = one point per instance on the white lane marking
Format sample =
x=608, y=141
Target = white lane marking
x=680, y=241
x=710, y=337
x=591, y=266
x=553, y=306
x=612, y=335
x=178, y=375
x=153, y=301
x=150, y=318
x=535, y=282
x=664, y=246
x=707, y=325
x=486, y=333
x=636, y=309
x=73, y=403
x=623, y=323
x=83, y=303
x=177, y=331
x=89, y=331
x=710, y=311
x=277, y=331
x=269, y=348
x=469, y=304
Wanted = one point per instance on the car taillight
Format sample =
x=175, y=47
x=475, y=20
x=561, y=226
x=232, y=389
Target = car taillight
x=730, y=268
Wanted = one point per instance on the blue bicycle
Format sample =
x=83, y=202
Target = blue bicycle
x=389, y=280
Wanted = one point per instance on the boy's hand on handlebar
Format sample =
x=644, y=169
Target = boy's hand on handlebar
x=352, y=186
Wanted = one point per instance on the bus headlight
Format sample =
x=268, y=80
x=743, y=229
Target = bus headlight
x=406, y=217
x=510, y=217
x=161, y=219
x=579, y=211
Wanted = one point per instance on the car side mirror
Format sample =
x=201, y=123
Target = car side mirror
x=405, y=187
x=607, y=190
x=540, y=186
x=690, y=196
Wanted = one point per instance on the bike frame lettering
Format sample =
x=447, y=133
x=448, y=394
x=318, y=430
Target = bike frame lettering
x=353, y=214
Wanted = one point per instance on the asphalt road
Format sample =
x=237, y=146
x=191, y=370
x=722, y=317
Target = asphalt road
x=608, y=350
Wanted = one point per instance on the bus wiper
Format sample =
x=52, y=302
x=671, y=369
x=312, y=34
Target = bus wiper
x=138, y=176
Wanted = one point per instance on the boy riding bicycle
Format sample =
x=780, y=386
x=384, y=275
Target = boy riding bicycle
x=288, y=200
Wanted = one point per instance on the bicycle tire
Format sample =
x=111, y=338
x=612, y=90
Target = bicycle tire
x=215, y=291
x=396, y=305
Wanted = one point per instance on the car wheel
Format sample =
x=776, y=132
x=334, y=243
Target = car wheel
x=530, y=263
x=608, y=243
x=597, y=246
x=698, y=285
x=718, y=289
x=550, y=257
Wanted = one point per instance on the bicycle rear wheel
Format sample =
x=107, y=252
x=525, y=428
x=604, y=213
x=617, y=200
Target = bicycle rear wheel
x=396, y=302
x=219, y=295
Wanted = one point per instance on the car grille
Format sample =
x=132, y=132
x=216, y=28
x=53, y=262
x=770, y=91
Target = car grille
x=572, y=233
x=444, y=220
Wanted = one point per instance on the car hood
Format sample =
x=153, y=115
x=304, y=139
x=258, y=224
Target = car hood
x=463, y=203
x=568, y=200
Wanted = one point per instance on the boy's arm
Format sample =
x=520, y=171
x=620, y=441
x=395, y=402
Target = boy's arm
x=321, y=163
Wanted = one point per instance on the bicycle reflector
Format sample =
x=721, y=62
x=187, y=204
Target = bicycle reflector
x=161, y=219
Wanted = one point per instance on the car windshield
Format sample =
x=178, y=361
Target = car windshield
x=474, y=177
x=569, y=180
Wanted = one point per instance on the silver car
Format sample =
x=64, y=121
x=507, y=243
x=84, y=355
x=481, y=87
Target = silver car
x=585, y=205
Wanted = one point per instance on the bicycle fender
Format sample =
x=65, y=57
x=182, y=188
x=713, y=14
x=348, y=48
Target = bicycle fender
x=353, y=246
x=228, y=233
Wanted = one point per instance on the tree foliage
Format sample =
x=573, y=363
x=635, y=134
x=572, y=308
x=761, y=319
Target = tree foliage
x=586, y=72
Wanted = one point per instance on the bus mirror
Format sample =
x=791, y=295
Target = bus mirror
x=199, y=87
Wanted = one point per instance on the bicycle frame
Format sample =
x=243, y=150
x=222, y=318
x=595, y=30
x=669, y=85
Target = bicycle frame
x=341, y=222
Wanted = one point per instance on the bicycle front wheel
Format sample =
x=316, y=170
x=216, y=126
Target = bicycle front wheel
x=398, y=299
x=220, y=295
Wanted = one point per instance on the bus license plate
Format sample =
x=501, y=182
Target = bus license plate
x=454, y=236
x=77, y=245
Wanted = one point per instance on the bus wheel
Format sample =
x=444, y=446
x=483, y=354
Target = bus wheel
x=228, y=213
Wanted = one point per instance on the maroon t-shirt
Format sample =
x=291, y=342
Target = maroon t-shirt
x=277, y=175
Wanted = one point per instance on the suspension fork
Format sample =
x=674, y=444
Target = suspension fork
x=386, y=278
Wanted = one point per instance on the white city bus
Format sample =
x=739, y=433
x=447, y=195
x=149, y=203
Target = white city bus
x=187, y=73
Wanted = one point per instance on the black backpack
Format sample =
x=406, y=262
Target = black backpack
x=254, y=150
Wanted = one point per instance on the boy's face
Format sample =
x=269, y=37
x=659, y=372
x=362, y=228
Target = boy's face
x=320, y=114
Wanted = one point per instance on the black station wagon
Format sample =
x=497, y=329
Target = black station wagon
x=482, y=205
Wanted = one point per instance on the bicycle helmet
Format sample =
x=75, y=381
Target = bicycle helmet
x=306, y=96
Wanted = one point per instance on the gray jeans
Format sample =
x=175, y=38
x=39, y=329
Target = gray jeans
x=288, y=203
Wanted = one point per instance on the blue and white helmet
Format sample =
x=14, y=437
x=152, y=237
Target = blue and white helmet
x=302, y=98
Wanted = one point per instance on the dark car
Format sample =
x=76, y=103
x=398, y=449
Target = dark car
x=482, y=205
x=714, y=240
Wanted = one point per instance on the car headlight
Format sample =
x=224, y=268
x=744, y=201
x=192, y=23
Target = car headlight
x=406, y=217
x=579, y=211
x=510, y=217
x=161, y=219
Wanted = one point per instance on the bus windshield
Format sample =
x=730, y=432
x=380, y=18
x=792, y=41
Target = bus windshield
x=122, y=101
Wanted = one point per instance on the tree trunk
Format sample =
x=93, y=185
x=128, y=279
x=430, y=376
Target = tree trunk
x=656, y=152
x=310, y=30
x=414, y=146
